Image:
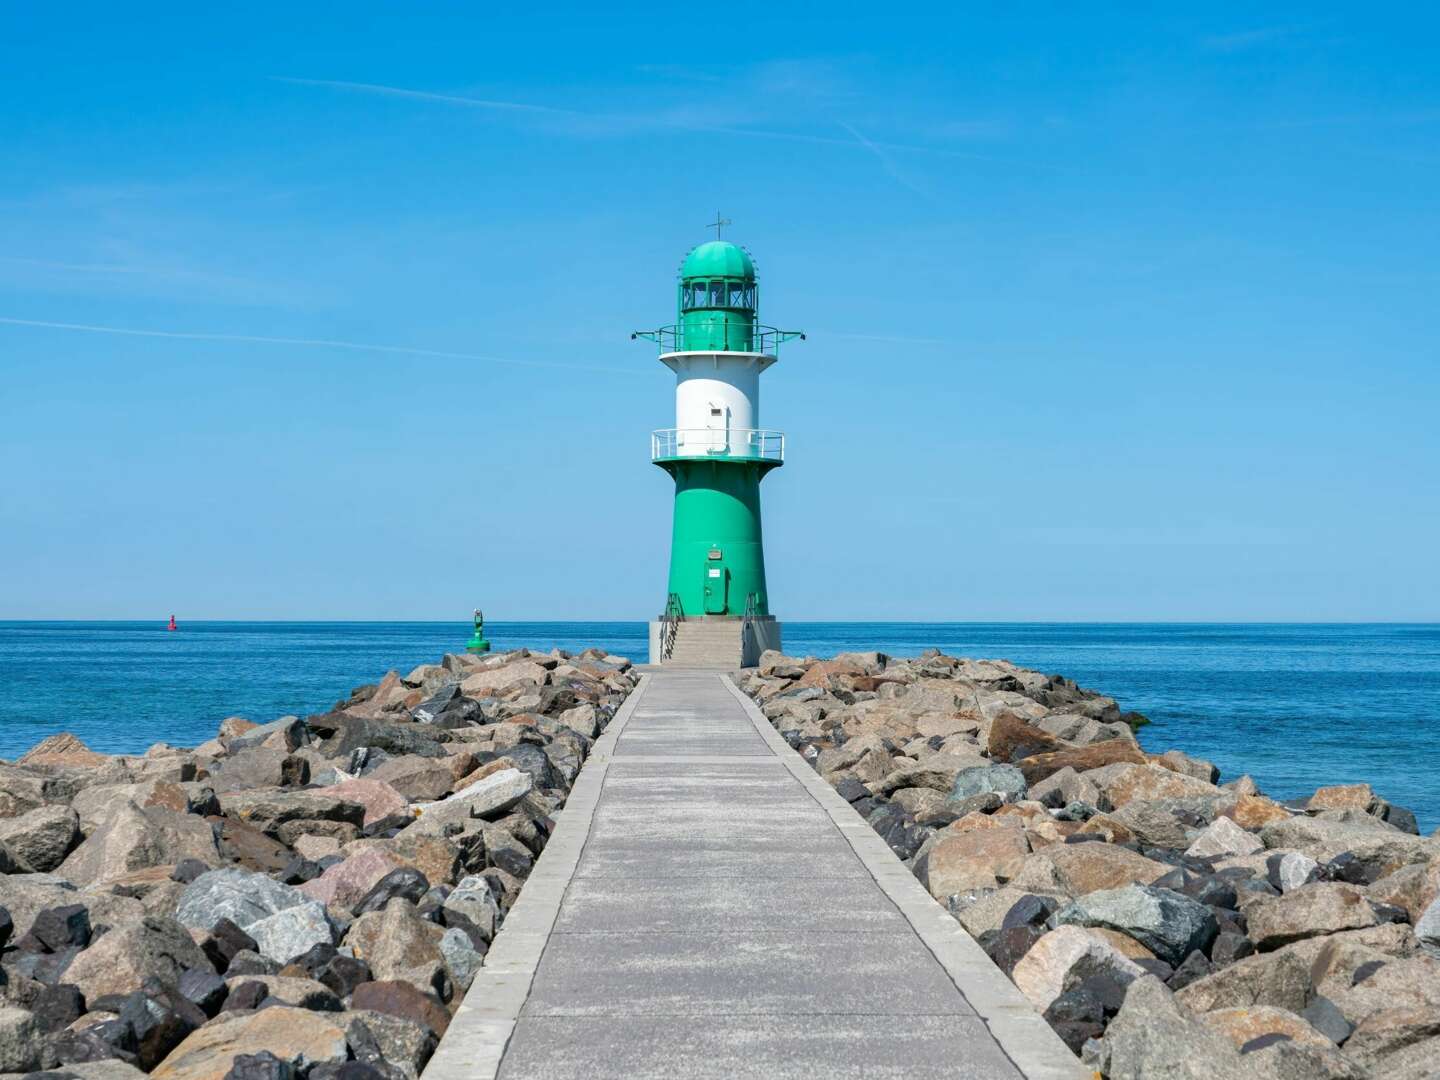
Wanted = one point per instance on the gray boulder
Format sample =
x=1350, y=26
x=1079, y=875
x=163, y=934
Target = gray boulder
x=461, y=958
x=377, y=1038
x=473, y=899
x=292, y=932
x=289, y=733
x=123, y=958
x=1427, y=928
x=21, y=1041
x=39, y=840
x=1168, y=923
x=237, y=895
x=1153, y=1038
x=1296, y=869
x=1004, y=780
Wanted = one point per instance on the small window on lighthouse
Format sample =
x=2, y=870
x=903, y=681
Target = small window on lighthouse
x=717, y=294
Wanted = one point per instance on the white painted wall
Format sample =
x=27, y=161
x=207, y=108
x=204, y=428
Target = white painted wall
x=706, y=382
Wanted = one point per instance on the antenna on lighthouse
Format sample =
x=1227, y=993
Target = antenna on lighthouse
x=719, y=223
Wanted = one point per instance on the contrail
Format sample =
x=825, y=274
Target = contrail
x=885, y=160
x=314, y=343
x=623, y=119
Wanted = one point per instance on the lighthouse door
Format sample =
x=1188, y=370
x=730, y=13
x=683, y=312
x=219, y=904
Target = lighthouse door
x=717, y=583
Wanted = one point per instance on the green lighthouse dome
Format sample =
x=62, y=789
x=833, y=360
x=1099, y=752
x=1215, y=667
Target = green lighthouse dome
x=718, y=259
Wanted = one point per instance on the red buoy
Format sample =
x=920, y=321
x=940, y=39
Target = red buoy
x=172, y=625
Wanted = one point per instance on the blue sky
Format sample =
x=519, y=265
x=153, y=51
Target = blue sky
x=1112, y=314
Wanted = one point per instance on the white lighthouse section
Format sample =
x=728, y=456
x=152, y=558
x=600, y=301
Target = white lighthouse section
x=717, y=402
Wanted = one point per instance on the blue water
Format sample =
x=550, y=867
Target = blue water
x=1295, y=706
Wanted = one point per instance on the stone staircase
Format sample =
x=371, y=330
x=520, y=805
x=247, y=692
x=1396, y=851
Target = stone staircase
x=707, y=643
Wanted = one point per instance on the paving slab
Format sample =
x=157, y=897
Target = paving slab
x=709, y=907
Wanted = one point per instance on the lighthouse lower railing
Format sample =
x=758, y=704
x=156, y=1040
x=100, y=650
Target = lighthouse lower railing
x=744, y=444
x=670, y=625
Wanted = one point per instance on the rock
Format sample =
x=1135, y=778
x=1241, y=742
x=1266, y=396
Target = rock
x=402, y=999
x=1295, y=870
x=1004, y=780
x=415, y=779
x=1168, y=923
x=7, y=927
x=294, y=990
x=1387, y=1031
x=399, y=945
x=1152, y=1038
x=292, y=932
x=1223, y=837
x=203, y=989
x=157, y=1025
x=1077, y=869
x=1010, y=739
x=1427, y=928
x=1082, y=759
x=1318, y=908
x=1195, y=768
x=1066, y=954
x=241, y=897
x=1244, y=1025
x=261, y=767
x=1063, y=787
x=347, y=883
x=63, y=750
x=57, y=1007
x=224, y=942
x=379, y=799
x=1342, y=797
x=134, y=839
x=120, y=960
x=405, y=883
x=343, y=974
x=983, y=858
x=1124, y=783
x=55, y=929
x=303, y=1039
x=39, y=840
x=21, y=1040
x=484, y=683
x=488, y=798
x=378, y=1038
x=261, y=1066
x=462, y=960
x=271, y=809
x=288, y=733
x=473, y=899
x=1281, y=979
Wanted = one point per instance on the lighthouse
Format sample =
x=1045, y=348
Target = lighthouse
x=717, y=606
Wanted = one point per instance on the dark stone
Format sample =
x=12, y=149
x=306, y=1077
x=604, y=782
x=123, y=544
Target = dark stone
x=1353, y=869
x=294, y=772
x=261, y=1066
x=512, y=858
x=1078, y=1004
x=1193, y=967
x=1107, y=990
x=343, y=974
x=98, y=1042
x=204, y=989
x=867, y=806
x=248, y=995
x=1389, y=913
x=298, y=871
x=354, y=732
x=347, y=1070
x=47, y=968
x=406, y=882
x=1153, y=965
x=1030, y=910
x=57, y=928
x=226, y=941
x=327, y=861
x=388, y=826
x=252, y=963
x=450, y=918
x=1325, y=1017
x=1365, y=970
x=7, y=927
x=1270, y=1038
x=57, y=1007
x=187, y=870
x=158, y=1027
x=1401, y=818
x=315, y=958
x=1076, y=811
x=1006, y=947
x=249, y=848
x=1208, y=889
x=402, y=999
x=852, y=790
x=532, y=760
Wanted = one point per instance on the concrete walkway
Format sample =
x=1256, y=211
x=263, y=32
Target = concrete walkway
x=709, y=907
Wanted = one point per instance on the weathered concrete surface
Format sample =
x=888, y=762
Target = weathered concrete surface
x=709, y=907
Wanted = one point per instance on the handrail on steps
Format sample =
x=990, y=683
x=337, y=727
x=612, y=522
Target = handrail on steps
x=747, y=625
x=670, y=625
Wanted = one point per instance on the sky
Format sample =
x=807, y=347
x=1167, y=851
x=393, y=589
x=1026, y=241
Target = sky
x=1114, y=312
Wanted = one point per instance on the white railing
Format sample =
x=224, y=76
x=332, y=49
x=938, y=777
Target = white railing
x=744, y=443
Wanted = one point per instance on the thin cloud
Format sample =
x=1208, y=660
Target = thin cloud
x=1247, y=39
x=599, y=123
x=318, y=343
x=886, y=161
x=74, y=268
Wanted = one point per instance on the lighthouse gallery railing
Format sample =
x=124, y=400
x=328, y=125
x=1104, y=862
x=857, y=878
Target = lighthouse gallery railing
x=745, y=444
x=755, y=338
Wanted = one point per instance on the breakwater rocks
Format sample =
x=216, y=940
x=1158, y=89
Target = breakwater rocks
x=307, y=897
x=1165, y=924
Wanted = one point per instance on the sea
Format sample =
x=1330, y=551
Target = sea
x=1296, y=706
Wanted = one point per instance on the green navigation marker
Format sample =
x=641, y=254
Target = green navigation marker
x=477, y=642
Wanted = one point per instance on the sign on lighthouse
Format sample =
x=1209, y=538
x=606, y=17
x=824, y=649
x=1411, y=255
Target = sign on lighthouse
x=717, y=609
